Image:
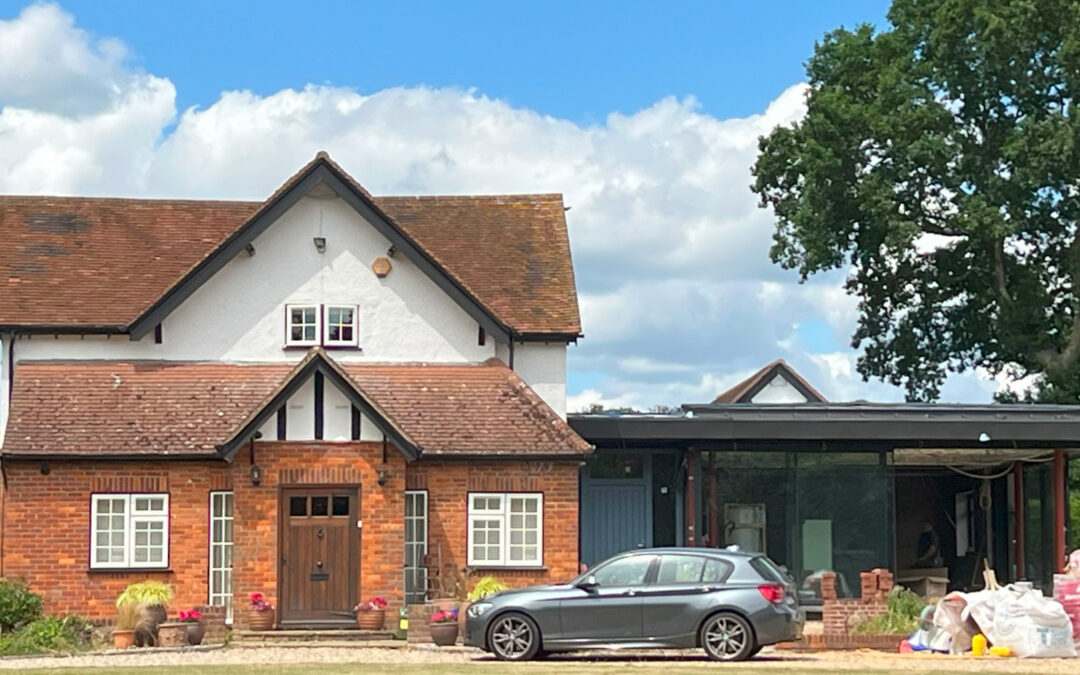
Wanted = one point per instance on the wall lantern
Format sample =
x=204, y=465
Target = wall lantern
x=382, y=475
x=320, y=244
x=256, y=475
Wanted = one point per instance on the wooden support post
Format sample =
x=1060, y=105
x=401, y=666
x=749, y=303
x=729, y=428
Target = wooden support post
x=691, y=497
x=1018, y=519
x=714, y=504
x=1059, y=511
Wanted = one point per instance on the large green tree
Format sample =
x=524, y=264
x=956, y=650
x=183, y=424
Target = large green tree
x=939, y=162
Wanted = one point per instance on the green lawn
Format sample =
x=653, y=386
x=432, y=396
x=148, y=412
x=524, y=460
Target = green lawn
x=562, y=667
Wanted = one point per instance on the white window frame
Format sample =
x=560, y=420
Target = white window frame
x=130, y=520
x=289, y=341
x=355, y=341
x=222, y=596
x=502, y=514
x=420, y=571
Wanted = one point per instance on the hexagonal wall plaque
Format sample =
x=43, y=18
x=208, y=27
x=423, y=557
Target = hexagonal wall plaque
x=381, y=267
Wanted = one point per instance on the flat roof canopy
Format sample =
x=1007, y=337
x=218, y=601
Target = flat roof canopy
x=838, y=427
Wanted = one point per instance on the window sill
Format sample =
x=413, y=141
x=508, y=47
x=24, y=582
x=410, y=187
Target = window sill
x=129, y=570
x=329, y=348
x=506, y=568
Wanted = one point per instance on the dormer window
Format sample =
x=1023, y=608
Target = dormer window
x=303, y=325
x=340, y=322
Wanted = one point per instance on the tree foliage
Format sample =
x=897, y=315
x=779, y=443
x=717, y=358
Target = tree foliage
x=939, y=162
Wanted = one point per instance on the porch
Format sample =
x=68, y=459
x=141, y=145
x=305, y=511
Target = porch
x=838, y=487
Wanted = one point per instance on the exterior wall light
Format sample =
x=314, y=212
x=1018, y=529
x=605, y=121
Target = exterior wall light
x=382, y=475
x=320, y=244
x=256, y=475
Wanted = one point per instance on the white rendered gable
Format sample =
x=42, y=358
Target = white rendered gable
x=239, y=313
x=337, y=417
x=779, y=390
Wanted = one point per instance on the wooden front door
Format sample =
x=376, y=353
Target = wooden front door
x=319, y=557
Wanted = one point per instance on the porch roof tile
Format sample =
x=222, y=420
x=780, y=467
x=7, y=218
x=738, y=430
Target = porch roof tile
x=189, y=409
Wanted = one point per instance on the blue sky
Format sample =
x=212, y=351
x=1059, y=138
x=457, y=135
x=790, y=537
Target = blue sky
x=578, y=60
x=644, y=115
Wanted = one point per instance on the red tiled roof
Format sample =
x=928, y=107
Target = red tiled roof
x=75, y=262
x=739, y=393
x=133, y=408
x=138, y=408
x=466, y=409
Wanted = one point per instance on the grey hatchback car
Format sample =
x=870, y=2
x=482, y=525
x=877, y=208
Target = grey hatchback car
x=728, y=602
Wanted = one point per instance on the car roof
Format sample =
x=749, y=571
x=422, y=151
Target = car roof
x=696, y=550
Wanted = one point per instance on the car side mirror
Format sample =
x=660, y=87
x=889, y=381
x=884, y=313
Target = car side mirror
x=588, y=584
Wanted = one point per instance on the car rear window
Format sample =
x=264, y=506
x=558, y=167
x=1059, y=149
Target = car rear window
x=767, y=570
x=716, y=571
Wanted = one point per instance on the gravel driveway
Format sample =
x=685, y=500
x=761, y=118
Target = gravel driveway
x=457, y=660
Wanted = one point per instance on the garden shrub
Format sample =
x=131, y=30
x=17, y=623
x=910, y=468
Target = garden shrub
x=47, y=635
x=18, y=605
x=903, y=609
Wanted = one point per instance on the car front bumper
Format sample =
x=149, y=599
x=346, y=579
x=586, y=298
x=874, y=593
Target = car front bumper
x=476, y=631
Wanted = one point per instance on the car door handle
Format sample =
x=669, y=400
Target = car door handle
x=630, y=593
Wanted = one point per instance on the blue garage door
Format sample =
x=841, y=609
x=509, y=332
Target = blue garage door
x=614, y=518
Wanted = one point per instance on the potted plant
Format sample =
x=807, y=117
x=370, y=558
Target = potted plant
x=485, y=588
x=444, y=627
x=196, y=629
x=130, y=617
x=260, y=613
x=371, y=615
x=152, y=595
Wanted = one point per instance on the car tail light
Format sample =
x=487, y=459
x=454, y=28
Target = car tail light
x=773, y=593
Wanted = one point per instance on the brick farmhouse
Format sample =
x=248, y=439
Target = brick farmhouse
x=324, y=397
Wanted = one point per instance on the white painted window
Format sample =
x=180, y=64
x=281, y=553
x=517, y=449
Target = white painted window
x=506, y=530
x=415, y=546
x=303, y=325
x=340, y=323
x=129, y=531
x=221, y=551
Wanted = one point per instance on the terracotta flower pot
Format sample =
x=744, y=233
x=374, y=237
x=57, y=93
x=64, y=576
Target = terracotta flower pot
x=371, y=619
x=261, y=620
x=171, y=634
x=444, y=634
x=123, y=639
x=196, y=632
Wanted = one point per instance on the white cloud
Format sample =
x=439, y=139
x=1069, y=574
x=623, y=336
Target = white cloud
x=671, y=252
x=47, y=64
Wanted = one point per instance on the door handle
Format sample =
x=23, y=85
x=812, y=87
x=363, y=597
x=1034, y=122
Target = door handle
x=630, y=593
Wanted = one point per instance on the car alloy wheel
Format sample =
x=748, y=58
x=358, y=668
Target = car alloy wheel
x=727, y=637
x=514, y=637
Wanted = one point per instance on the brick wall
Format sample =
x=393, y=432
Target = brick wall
x=839, y=615
x=448, y=484
x=46, y=524
x=46, y=529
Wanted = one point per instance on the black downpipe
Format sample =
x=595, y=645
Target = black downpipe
x=511, y=364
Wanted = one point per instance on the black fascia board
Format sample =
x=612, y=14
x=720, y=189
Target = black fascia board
x=229, y=449
x=895, y=430
x=321, y=172
x=41, y=329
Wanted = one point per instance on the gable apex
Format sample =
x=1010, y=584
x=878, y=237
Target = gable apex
x=319, y=171
x=778, y=372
